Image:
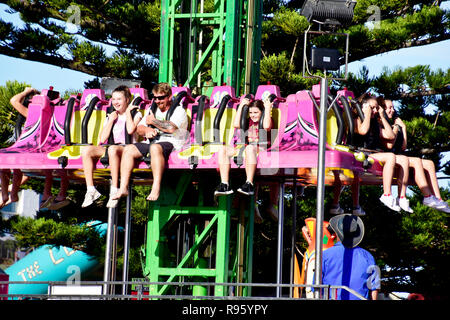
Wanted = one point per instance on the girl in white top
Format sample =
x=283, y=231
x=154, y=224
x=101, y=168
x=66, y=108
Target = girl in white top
x=116, y=121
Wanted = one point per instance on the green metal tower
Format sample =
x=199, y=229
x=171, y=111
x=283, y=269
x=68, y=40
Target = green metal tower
x=220, y=40
x=192, y=237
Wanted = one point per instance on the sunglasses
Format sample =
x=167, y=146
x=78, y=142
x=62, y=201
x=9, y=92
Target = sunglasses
x=160, y=97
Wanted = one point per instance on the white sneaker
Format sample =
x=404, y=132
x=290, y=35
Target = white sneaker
x=336, y=209
x=112, y=203
x=442, y=206
x=390, y=202
x=358, y=211
x=437, y=204
x=90, y=197
x=430, y=201
x=404, y=204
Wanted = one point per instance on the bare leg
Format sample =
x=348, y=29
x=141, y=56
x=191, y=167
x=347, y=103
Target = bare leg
x=24, y=180
x=419, y=175
x=16, y=180
x=355, y=189
x=224, y=164
x=430, y=171
x=158, y=164
x=115, y=154
x=388, y=160
x=5, y=177
x=337, y=188
x=250, y=162
x=48, y=184
x=403, y=174
x=64, y=185
x=90, y=156
x=129, y=155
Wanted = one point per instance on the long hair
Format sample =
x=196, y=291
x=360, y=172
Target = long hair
x=125, y=91
x=258, y=104
x=382, y=102
x=362, y=101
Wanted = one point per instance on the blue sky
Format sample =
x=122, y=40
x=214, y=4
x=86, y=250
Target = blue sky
x=42, y=76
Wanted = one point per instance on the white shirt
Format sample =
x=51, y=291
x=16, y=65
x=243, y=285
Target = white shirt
x=178, y=118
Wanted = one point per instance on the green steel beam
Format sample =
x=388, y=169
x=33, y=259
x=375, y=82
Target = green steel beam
x=180, y=271
x=233, y=54
x=158, y=266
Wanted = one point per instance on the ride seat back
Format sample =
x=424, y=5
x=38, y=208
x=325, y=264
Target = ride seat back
x=345, y=98
x=224, y=132
x=139, y=92
x=332, y=127
x=143, y=94
x=307, y=118
x=37, y=123
x=97, y=118
x=263, y=92
x=55, y=136
x=195, y=111
x=185, y=102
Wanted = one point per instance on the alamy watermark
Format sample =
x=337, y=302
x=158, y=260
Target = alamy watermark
x=374, y=20
x=74, y=19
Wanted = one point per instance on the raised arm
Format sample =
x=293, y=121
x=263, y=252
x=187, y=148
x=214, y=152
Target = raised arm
x=362, y=127
x=402, y=126
x=267, y=122
x=390, y=143
x=237, y=117
x=386, y=129
x=106, y=130
x=131, y=124
x=17, y=101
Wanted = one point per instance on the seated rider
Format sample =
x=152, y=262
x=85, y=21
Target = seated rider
x=255, y=112
x=117, y=122
x=424, y=169
x=371, y=130
x=163, y=132
x=402, y=164
x=48, y=201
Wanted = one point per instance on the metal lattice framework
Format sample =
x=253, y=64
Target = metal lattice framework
x=223, y=42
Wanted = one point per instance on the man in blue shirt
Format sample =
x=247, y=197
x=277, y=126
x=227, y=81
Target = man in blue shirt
x=346, y=264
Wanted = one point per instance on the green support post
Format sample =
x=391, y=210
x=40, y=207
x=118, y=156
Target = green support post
x=233, y=51
x=159, y=260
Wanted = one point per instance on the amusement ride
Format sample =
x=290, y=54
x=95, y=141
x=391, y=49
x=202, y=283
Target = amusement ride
x=192, y=236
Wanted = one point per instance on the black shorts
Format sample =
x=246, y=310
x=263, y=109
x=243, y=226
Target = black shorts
x=144, y=149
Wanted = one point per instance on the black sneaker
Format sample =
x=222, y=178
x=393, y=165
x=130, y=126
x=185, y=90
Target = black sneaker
x=223, y=189
x=247, y=188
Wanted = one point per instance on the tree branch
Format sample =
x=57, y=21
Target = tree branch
x=116, y=28
x=370, y=51
x=52, y=60
x=423, y=93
